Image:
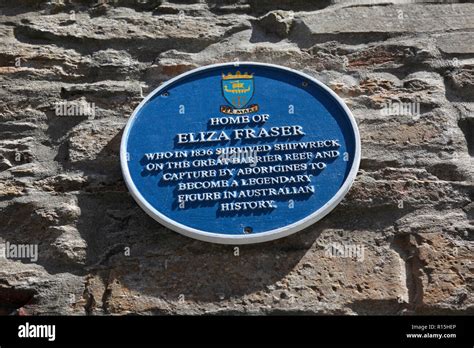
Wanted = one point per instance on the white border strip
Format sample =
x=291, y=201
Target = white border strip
x=244, y=238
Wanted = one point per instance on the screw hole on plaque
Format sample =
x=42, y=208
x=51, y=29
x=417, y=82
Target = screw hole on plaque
x=165, y=94
x=304, y=84
x=248, y=230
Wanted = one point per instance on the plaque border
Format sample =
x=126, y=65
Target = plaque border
x=244, y=238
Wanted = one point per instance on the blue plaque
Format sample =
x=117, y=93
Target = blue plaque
x=240, y=153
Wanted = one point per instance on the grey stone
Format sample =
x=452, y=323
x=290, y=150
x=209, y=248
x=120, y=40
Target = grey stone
x=61, y=186
x=277, y=22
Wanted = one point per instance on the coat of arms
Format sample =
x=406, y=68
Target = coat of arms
x=238, y=89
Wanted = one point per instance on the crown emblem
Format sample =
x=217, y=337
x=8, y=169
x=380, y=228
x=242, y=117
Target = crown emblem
x=237, y=75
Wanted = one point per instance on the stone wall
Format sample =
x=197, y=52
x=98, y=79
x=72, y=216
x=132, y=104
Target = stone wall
x=410, y=208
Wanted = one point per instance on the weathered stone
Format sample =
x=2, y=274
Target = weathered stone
x=383, y=19
x=455, y=43
x=70, y=245
x=441, y=278
x=315, y=282
x=462, y=83
x=400, y=241
x=277, y=22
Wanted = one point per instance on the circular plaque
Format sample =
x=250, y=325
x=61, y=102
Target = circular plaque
x=240, y=153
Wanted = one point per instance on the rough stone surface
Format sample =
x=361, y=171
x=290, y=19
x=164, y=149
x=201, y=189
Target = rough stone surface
x=61, y=187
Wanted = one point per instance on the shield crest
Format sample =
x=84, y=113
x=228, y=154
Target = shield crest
x=237, y=89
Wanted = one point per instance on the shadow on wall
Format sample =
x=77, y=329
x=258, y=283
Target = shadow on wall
x=164, y=264
x=161, y=263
